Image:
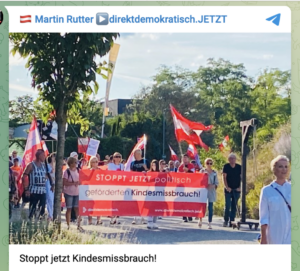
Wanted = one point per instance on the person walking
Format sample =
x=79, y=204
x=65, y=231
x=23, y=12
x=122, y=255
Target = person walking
x=50, y=194
x=115, y=165
x=16, y=170
x=186, y=167
x=275, y=205
x=34, y=180
x=151, y=224
x=71, y=190
x=139, y=164
x=232, y=182
x=212, y=186
x=93, y=165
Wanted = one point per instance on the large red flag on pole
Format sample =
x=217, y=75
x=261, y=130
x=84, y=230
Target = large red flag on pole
x=140, y=145
x=187, y=130
x=33, y=143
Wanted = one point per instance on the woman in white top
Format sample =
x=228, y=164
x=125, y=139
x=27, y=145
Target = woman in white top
x=212, y=186
x=115, y=165
x=275, y=205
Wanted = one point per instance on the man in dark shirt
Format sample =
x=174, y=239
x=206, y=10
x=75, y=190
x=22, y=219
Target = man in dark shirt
x=232, y=182
x=139, y=164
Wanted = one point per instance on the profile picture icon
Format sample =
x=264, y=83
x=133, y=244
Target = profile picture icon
x=1, y=16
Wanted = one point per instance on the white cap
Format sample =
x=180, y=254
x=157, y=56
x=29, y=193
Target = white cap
x=73, y=154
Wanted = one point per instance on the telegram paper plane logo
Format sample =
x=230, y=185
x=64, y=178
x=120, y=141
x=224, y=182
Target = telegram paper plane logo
x=275, y=19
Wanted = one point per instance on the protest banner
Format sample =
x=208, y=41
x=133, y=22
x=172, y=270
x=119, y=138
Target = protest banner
x=92, y=147
x=117, y=193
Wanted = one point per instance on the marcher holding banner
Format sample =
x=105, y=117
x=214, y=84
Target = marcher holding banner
x=93, y=165
x=154, y=167
x=116, y=165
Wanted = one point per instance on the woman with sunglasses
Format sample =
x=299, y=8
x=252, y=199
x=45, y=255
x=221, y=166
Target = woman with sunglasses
x=93, y=165
x=162, y=166
x=212, y=186
x=115, y=165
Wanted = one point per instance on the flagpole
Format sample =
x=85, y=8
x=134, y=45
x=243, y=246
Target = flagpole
x=145, y=143
x=180, y=149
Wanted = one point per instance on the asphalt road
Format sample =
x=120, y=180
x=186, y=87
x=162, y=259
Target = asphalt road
x=172, y=230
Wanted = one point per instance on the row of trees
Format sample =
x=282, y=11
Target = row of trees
x=63, y=70
x=220, y=93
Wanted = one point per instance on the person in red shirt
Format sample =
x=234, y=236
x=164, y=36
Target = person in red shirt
x=186, y=167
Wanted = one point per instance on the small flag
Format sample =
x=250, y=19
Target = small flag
x=193, y=154
x=25, y=19
x=174, y=156
x=224, y=143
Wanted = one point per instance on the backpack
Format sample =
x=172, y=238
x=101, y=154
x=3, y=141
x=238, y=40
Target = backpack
x=69, y=173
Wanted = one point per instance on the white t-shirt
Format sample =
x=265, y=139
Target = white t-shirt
x=114, y=167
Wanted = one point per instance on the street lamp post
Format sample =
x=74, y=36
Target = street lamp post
x=164, y=134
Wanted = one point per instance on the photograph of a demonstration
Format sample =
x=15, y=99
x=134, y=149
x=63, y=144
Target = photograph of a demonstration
x=132, y=138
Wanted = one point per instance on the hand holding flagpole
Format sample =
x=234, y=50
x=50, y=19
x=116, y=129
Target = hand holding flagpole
x=145, y=143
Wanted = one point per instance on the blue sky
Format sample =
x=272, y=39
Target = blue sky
x=141, y=55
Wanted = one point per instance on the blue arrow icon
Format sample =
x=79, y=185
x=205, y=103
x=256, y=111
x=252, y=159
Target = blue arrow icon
x=275, y=19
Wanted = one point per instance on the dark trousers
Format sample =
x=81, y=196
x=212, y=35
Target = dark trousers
x=37, y=199
x=210, y=211
x=231, y=200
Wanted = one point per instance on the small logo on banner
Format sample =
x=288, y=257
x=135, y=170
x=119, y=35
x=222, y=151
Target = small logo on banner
x=84, y=210
x=25, y=19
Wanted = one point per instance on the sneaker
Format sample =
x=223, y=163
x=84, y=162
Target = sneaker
x=185, y=220
x=225, y=224
x=190, y=219
x=155, y=226
x=150, y=225
x=143, y=221
x=159, y=217
x=133, y=222
x=209, y=226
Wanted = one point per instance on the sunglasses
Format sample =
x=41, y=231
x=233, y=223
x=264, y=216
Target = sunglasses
x=209, y=163
x=117, y=157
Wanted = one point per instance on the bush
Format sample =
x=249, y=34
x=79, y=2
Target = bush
x=22, y=233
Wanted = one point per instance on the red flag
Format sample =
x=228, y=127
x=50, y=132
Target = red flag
x=188, y=130
x=33, y=143
x=140, y=145
x=193, y=154
x=224, y=143
x=174, y=156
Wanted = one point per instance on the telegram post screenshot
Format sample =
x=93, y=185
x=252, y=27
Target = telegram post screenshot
x=149, y=135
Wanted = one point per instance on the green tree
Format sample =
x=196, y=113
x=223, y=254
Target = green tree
x=63, y=67
x=21, y=110
x=225, y=90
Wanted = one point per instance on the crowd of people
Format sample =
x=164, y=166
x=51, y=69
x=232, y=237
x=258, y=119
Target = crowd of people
x=38, y=180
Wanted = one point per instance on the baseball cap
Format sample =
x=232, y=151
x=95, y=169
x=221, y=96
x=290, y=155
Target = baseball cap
x=73, y=154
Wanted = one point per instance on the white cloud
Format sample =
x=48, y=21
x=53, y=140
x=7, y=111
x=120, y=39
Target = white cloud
x=150, y=36
x=21, y=88
x=268, y=56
